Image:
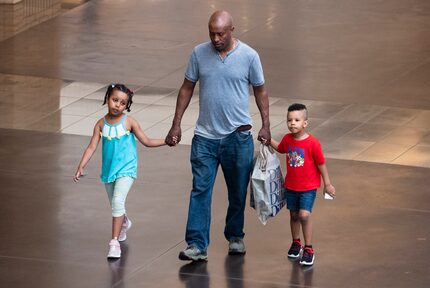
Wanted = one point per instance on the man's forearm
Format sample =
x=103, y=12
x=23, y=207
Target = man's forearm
x=183, y=100
x=262, y=100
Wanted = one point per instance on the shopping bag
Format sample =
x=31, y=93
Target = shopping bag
x=267, y=185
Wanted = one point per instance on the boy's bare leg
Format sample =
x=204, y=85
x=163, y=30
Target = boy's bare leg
x=295, y=224
x=116, y=226
x=305, y=220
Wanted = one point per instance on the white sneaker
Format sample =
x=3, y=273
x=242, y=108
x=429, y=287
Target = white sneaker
x=236, y=246
x=114, y=249
x=126, y=225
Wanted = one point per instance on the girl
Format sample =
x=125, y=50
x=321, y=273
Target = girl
x=119, y=157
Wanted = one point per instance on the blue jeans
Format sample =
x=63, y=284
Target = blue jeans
x=235, y=154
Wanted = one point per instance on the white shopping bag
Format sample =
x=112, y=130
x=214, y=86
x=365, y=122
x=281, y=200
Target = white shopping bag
x=267, y=185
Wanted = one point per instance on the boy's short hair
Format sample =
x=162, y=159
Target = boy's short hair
x=299, y=107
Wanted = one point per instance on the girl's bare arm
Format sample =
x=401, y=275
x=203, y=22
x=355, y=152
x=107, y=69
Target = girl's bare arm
x=92, y=147
x=145, y=140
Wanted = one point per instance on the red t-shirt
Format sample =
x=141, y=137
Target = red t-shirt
x=303, y=158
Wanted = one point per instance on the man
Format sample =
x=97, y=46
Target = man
x=225, y=68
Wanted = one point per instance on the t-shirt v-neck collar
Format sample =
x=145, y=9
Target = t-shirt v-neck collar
x=229, y=52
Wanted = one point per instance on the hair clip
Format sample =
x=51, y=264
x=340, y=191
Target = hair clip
x=112, y=85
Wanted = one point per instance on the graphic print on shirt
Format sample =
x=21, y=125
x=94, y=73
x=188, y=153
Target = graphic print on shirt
x=296, y=157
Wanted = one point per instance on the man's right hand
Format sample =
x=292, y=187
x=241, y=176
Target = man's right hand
x=174, y=136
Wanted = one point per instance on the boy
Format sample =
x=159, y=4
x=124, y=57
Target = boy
x=305, y=164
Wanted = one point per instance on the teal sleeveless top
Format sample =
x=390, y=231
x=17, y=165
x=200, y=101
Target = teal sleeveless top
x=119, y=155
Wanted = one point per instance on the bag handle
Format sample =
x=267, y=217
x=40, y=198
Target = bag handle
x=264, y=150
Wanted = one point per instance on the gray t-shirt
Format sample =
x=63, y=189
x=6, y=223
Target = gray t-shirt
x=224, y=87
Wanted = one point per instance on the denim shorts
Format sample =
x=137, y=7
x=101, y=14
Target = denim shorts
x=300, y=200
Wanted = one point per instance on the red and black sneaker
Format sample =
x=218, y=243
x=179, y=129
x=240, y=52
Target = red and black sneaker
x=308, y=257
x=295, y=249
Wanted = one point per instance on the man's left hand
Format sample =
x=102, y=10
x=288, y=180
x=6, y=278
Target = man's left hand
x=264, y=136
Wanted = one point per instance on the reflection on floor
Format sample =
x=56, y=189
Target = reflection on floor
x=58, y=230
x=362, y=68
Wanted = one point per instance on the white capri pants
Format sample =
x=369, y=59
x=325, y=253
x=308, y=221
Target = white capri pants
x=117, y=193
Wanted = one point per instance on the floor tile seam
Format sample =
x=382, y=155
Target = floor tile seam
x=384, y=139
x=168, y=123
x=422, y=144
x=86, y=115
x=425, y=130
x=143, y=267
x=149, y=103
x=382, y=109
x=348, y=139
x=133, y=111
x=66, y=114
x=156, y=103
x=416, y=117
x=272, y=104
x=366, y=150
x=338, y=112
x=404, y=152
x=386, y=107
x=379, y=162
x=354, y=158
x=60, y=131
x=51, y=114
x=324, y=120
x=155, y=106
x=161, y=99
x=174, y=92
x=182, y=68
x=81, y=95
x=277, y=125
x=75, y=100
x=352, y=130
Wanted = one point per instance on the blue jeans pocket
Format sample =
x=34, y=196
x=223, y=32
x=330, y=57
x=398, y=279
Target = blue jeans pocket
x=243, y=136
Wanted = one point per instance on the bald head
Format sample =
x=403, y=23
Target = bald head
x=220, y=30
x=221, y=18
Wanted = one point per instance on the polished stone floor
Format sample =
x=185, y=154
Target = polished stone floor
x=362, y=68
